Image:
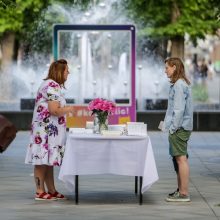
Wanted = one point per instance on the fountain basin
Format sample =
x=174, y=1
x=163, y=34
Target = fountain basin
x=203, y=120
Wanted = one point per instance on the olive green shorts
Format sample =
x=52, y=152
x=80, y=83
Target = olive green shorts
x=178, y=142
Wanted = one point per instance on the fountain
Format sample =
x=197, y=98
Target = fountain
x=122, y=85
x=102, y=71
x=87, y=82
x=100, y=64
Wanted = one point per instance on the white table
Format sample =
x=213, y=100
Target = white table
x=87, y=154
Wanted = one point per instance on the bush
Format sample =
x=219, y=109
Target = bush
x=200, y=93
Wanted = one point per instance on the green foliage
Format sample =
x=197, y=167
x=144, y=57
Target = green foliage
x=31, y=22
x=200, y=93
x=10, y=19
x=16, y=16
x=7, y=3
x=19, y=15
x=196, y=17
x=40, y=32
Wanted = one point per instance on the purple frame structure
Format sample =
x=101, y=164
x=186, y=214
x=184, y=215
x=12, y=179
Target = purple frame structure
x=128, y=112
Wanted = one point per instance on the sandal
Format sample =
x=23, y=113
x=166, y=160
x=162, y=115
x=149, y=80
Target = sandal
x=44, y=196
x=57, y=195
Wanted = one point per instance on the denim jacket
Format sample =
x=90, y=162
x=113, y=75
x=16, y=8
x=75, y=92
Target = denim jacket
x=179, y=113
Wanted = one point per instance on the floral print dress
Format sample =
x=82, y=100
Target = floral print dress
x=48, y=132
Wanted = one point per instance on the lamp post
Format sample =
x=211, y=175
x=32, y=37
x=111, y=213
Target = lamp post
x=125, y=89
x=140, y=87
x=32, y=89
x=79, y=84
x=217, y=70
x=94, y=89
x=109, y=82
x=156, y=83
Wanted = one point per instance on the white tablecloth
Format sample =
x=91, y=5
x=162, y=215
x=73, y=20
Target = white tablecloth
x=95, y=154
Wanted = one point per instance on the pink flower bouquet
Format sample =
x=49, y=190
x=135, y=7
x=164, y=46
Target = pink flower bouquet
x=101, y=108
x=101, y=105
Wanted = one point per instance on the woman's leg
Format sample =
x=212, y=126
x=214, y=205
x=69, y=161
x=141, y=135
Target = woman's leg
x=176, y=168
x=183, y=174
x=178, y=180
x=39, y=177
x=49, y=180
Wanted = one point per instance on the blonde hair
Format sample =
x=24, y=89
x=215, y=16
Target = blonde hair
x=179, y=72
x=56, y=71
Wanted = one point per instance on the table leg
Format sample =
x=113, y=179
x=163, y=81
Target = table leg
x=76, y=189
x=136, y=185
x=140, y=186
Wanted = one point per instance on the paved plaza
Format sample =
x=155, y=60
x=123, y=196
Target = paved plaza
x=111, y=197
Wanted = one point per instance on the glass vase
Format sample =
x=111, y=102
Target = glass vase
x=100, y=123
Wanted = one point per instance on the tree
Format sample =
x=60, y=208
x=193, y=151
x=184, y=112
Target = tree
x=17, y=18
x=172, y=19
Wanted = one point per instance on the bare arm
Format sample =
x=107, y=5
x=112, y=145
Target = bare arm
x=56, y=110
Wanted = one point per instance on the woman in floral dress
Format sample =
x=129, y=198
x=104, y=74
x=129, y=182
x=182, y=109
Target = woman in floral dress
x=48, y=132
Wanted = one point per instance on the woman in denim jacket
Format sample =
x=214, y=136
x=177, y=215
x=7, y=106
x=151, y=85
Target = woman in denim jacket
x=179, y=122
